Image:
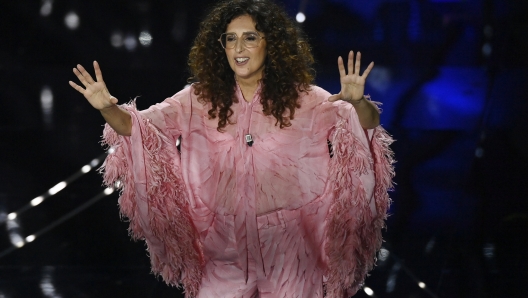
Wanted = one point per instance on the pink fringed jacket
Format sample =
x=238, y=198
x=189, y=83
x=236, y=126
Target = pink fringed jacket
x=284, y=217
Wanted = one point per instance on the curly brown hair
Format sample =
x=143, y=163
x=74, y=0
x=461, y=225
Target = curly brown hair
x=287, y=68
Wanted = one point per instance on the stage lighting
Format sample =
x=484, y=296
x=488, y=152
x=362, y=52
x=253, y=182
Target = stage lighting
x=108, y=191
x=487, y=49
x=300, y=17
x=55, y=189
x=37, y=201
x=46, y=8
x=130, y=42
x=117, y=39
x=145, y=39
x=13, y=228
x=368, y=291
x=46, y=105
x=94, y=162
x=86, y=169
x=72, y=20
x=383, y=254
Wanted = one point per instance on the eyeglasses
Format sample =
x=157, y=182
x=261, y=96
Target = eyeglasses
x=249, y=40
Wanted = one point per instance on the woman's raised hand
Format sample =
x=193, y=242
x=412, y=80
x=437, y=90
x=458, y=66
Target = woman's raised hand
x=352, y=84
x=94, y=91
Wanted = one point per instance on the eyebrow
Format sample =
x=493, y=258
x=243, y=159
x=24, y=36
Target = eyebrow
x=242, y=32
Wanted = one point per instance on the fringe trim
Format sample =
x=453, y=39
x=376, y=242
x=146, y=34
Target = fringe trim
x=180, y=261
x=354, y=234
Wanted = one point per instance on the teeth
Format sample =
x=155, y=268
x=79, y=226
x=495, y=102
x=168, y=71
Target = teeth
x=240, y=60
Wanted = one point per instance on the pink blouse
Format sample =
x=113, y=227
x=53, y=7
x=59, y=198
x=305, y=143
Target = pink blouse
x=285, y=211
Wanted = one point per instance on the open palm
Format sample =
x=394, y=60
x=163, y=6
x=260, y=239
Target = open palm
x=352, y=84
x=94, y=91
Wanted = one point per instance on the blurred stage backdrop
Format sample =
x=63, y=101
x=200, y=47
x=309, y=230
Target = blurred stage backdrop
x=452, y=76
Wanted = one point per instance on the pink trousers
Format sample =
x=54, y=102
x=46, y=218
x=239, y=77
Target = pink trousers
x=291, y=268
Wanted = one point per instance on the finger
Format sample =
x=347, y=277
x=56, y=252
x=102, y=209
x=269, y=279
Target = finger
x=98, y=73
x=85, y=74
x=334, y=97
x=80, y=77
x=367, y=71
x=341, y=67
x=113, y=99
x=76, y=87
x=358, y=63
x=351, y=62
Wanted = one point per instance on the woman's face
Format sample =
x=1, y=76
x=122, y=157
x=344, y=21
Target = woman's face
x=247, y=63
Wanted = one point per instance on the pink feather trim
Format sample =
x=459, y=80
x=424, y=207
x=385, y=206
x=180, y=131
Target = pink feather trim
x=354, y=234
x=180, y=260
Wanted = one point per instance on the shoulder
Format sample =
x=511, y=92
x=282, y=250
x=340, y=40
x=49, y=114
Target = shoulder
x=317, y=96
x=316, y=99
x=316, y=92
x=174, y=103
x=186, y=98
x=314, y=96
x=185, y=95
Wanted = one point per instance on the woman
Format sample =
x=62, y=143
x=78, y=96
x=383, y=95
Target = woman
x=253, y=204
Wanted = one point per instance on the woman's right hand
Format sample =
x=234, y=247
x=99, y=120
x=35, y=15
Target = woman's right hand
x=94, y=91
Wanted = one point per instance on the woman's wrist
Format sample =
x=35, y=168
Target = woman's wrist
x=356, y=102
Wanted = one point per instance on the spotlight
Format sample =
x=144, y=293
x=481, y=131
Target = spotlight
x=368, y=291
x=46, y=105
x=300, y=17
x=13, y=228
x=145, y=39
x=383, y=254
x=117, y=39
x=86, y=169
x=479, y=152
x=489, y=250
x=45, y=9
x=108, y=191
x=487, y=49
x=18, y=241
x=72, y=20
x=55, y=189
x=94, y=162
x=130, y=42
x=36, y=201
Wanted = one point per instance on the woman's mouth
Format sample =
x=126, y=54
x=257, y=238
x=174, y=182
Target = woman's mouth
x=241, y=61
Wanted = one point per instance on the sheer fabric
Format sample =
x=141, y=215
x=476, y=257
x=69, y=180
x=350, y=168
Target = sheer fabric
x=279, y=218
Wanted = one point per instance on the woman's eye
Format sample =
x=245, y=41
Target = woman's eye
x=251, y=37
x=230, y=38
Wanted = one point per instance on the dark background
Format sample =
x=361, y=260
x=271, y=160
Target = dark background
x=452, y=76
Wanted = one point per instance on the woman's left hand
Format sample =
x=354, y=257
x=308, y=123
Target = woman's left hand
x=352, y=84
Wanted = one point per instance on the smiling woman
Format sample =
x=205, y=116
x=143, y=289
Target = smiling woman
x=286, y=54
x=246, y=62
x=252, y=204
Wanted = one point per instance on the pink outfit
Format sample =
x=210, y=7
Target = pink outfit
x=280, y=218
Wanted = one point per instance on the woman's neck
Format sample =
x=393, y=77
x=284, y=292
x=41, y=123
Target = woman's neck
x=248, y=88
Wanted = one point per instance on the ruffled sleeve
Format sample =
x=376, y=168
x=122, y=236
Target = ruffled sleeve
x=146, y=167
x=361, y=172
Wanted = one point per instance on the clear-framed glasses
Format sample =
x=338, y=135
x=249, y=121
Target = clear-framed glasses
x=249, y=40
